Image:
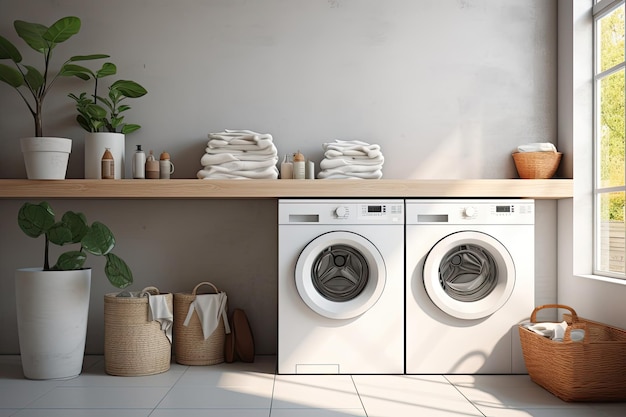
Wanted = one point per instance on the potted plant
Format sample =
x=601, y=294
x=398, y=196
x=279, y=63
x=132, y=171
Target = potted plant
x=102, y=117
x=53, y=301
x=44, y=157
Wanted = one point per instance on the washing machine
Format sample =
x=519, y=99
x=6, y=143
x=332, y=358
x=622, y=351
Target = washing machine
x=469, y=283
x=340, y=286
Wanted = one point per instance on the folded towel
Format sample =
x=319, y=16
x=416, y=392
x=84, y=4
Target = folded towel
x=537, y=147
x=160, y=311
x=355, y=169
x=373, y=175
x=330, y=165
x=245, y=165
x=241, y=149
x=215, y=172
x=211, y=308
x=243, y=133
x=343, y=161
x=352, y=147
x=239, y=145
x=220, y=158
x=246, y=138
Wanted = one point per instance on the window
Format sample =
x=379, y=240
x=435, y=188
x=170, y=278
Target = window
x=609, y=177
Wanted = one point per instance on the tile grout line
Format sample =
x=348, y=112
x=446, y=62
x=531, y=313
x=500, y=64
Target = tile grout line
x=169, y=390
x=463, y=395
x=273, y=390
x=356, y=389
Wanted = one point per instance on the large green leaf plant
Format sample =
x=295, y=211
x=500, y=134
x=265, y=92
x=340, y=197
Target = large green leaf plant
x=104, y=114
x=39, y=219
x=31, y=83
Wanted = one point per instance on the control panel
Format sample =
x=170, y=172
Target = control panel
x=471, y=212
x=341, y=212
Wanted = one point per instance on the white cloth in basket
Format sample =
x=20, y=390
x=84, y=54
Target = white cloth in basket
x=160, y=311
x=554, y=331
x=211, y=308
x=537, y=147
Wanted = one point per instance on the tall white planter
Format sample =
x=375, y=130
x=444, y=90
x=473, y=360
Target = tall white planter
x=95, y=145
x=46, y=158
x=52, y=311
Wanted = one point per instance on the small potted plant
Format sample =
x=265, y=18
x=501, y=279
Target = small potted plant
x=101, y=117
x=33, y=86
x=53, y=301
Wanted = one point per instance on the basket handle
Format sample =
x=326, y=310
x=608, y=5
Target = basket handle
x=149, y=290
x=533, y=316
x=195, y=289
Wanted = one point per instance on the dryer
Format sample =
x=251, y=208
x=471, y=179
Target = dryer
x=469, y=282
x=340, y=286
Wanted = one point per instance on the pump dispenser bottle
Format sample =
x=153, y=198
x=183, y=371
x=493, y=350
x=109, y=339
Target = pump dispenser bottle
x=299, y=168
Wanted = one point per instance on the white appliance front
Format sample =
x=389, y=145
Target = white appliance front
x=470, y=282
x=341, y=286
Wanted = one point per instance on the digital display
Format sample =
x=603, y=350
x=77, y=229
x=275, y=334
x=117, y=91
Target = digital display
x=503, y=209
x=374, y=209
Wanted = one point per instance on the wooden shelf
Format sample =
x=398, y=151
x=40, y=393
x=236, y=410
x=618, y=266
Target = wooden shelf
x=234, y=189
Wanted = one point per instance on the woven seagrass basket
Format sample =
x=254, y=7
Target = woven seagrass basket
x=536, y=165
x=593, y=369
x=190, y=346
x=134, y=346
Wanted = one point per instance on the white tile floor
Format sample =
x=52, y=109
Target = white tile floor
x=254, y=390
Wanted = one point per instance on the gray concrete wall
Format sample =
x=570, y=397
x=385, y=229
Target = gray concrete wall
x=447, y=88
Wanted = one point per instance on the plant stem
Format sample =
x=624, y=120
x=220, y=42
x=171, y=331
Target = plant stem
x=38, y=121
x=46, y=264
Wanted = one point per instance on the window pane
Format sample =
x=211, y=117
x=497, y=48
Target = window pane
x=611, y=233
x=611, y=130
x=610, y=32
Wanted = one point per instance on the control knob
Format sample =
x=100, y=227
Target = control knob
x=469, y=212
x=341, y=212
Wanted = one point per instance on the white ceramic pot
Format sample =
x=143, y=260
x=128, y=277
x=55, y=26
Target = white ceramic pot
x=52, y=311
x=95, y=145
x=46, y=158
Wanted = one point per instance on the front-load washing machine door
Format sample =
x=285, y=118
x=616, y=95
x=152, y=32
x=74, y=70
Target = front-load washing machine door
x=469, y=275
x=340, y=275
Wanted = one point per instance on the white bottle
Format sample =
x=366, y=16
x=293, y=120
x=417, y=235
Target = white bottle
x=310, y=170
x=286, y=169
x=299, y=166
x=139, y=164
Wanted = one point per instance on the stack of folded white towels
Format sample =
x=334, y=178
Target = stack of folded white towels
x=351, y=159
x=239, y=154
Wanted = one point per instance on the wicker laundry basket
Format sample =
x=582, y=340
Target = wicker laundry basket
x=536, y=165
x=590, y=370
x=190, y=346
x=134, y=346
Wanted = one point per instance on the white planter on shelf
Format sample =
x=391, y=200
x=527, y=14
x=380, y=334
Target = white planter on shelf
x=46, y=158
x=95, y=145
x=52, y=311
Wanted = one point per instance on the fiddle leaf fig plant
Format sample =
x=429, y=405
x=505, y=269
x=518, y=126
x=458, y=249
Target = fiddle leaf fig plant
x=97, y=239
x=33, y=84
x=104, y=114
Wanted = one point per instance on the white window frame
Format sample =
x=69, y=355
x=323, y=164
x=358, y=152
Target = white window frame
x=601, y=9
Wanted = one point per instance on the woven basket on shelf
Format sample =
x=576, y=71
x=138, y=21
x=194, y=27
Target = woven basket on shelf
x=134, y=346
x=590, y=370
x=536, y=165
x=190, y=346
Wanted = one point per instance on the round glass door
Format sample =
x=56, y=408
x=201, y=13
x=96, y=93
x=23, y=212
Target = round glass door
x=340, y=275
x=469, y=275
